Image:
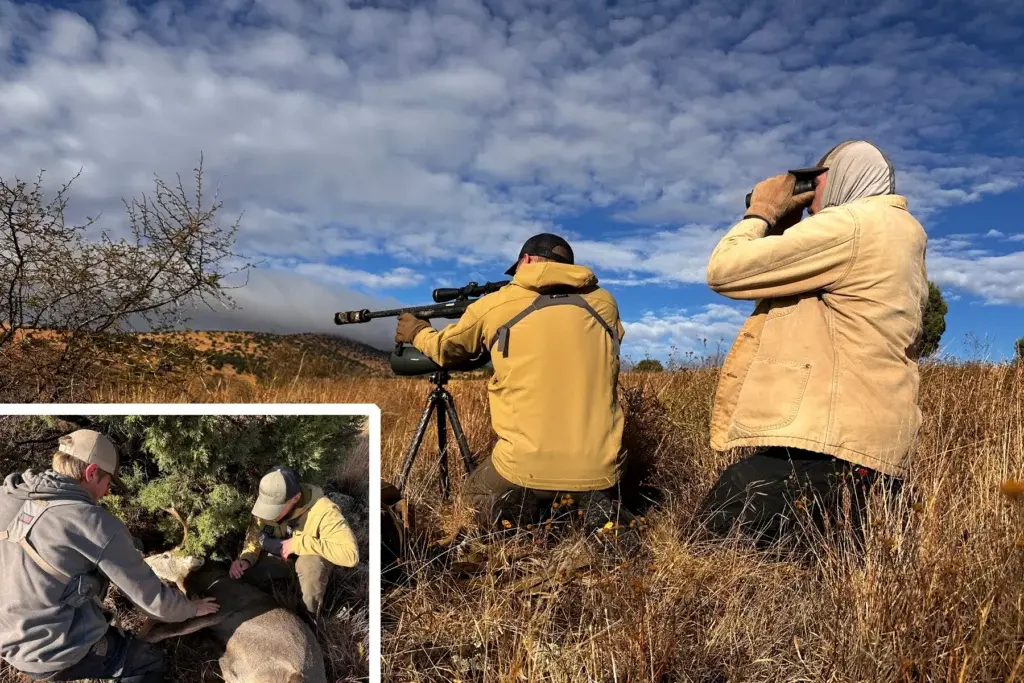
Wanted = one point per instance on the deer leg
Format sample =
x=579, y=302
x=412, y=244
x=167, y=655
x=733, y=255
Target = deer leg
x=163, y=631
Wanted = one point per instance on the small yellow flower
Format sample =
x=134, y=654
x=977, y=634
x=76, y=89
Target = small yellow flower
x=507, y=524
x=609, y=525
x=555, y=505
x=529, y=526
x=579, y=513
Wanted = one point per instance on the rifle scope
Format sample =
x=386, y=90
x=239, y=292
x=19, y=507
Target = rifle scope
x=469, y=291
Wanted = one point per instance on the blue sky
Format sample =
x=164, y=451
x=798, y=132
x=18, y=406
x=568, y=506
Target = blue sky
x=379, y=150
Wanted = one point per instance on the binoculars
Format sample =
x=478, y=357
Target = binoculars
x=804, y=180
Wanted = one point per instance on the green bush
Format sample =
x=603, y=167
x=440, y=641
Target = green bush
x=206, y=467
x=649, y=365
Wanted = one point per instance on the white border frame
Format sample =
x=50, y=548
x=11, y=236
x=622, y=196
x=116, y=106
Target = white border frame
x=365, y=409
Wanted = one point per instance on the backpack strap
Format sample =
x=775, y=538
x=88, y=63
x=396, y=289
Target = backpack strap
x=18, y=530
x=501, y=335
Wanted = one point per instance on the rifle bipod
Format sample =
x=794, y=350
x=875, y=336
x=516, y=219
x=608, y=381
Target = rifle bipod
x=441, y=400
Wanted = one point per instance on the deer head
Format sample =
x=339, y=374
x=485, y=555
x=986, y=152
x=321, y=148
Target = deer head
x=173, y=566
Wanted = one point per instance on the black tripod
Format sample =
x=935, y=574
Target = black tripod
x=441, y=399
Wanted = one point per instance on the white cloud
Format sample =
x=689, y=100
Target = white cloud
x=399, y=277
x=453, y=130
x=668, y=334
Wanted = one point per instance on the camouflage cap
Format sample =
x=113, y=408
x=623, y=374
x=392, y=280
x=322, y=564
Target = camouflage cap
x=93, y=448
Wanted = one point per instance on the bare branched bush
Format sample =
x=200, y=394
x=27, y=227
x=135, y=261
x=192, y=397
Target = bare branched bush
x=67, y=297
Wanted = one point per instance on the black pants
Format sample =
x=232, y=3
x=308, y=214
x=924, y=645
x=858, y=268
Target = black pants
x=503, y=507
x=786, y=495
x=119, y=658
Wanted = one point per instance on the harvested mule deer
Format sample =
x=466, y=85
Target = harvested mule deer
x=261, y=641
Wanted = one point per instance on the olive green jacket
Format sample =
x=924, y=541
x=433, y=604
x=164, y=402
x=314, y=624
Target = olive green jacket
x=317, y=527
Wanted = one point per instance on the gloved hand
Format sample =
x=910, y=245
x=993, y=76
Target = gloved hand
x=408, y=326
x=773, y=198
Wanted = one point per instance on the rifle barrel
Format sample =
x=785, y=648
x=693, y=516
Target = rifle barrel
x=452, y=309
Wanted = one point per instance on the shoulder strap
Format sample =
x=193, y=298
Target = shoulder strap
x=18, y=530
x=543, y=301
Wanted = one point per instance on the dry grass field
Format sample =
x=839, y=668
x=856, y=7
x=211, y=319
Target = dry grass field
x=936, y=598
x=939, y=597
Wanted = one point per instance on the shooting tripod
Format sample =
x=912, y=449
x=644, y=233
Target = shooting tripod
x=441, y=400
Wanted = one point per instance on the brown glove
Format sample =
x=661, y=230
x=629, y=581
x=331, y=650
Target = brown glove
x=773, y=198
x=408, y=326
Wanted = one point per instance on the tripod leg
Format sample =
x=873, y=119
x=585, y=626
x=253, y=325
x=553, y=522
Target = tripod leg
x=421, y=429
x=460, y=436
x=442, y=451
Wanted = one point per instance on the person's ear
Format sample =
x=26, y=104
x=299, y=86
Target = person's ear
x=92, y=472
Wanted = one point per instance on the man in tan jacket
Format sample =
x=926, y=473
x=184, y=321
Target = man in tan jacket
x=823, y=376
x=553, y=335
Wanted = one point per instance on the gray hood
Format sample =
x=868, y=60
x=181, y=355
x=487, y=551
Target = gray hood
x=47, y=485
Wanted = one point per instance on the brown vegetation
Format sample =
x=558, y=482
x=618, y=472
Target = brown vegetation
x=937, y=599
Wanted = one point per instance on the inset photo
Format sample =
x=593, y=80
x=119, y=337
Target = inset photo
x=187, y=543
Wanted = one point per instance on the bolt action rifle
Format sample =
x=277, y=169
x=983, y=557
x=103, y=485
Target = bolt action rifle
x=451, y=304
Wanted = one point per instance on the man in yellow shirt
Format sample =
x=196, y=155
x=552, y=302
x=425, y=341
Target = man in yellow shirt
x=295, y=519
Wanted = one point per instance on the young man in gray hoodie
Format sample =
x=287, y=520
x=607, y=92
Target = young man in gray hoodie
x=59, y=551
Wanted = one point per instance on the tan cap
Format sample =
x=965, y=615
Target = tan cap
x=94, y=448
x=276, y=489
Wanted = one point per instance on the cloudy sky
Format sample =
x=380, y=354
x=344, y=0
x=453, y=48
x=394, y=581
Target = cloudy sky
x=379, y=150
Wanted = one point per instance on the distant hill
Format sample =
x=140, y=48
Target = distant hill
x=265, y=356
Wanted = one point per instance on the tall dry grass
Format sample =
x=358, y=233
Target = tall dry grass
x=936, y=598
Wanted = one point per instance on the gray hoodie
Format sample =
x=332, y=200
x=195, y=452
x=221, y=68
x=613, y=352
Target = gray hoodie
x=37, y=633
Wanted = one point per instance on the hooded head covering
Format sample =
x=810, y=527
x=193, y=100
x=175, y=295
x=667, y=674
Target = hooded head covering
x=856, y=169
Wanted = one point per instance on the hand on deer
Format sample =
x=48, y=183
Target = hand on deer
x=286, y=549
x=205, y=606
x=238, y=568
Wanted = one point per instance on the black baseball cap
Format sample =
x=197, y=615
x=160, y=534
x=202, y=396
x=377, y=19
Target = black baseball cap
x=544, y=245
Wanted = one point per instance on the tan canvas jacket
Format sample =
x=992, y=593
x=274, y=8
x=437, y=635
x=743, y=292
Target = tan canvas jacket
x=828, y=359
x=554, y=398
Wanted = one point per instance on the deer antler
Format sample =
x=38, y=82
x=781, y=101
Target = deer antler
x=184, y=524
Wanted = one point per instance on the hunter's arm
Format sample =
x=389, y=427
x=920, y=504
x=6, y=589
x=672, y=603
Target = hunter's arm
x=815, y=254
x=251, y=548
x=332, y=539
x=124, y=565
x=459, y=341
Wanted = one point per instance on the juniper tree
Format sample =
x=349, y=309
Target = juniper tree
x=205, y=467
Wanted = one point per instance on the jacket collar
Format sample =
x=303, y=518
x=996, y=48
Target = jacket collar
x=895, y=200
x=310, y=495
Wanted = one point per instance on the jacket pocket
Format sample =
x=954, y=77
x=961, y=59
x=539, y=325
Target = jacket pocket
x=771, y=394
x=81, y=589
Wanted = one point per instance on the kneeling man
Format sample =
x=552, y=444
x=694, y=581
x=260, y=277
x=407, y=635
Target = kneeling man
x=295, y=519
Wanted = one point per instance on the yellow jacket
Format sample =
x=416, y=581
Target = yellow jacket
x=318, y=528
x=828, y=360
x=554, y=397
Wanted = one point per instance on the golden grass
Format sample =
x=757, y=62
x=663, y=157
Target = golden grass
x=937, y=599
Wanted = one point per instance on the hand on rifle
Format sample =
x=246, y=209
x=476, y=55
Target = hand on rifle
x=408, y=327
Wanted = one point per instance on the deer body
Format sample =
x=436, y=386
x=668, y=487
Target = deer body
x=262, y=642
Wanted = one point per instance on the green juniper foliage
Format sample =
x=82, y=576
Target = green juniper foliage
x=207, y=467
x=934, y=321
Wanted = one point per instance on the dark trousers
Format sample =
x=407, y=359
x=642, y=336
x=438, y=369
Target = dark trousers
x=503, y=505
x=119, y=658
x=786, y=495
